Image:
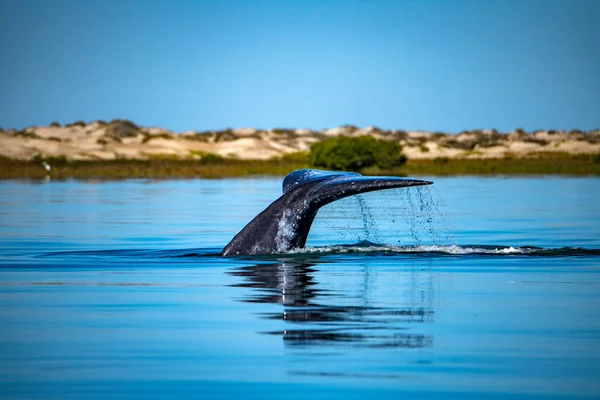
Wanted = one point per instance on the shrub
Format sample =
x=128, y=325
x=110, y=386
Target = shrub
x=107, y=138
x=58, y=161
x=225, y=135
x=76, y=123
x=206, y=158
x=596, y=158
x=26, y=134
x=297, y=156
x=211, y=158
x=283, y=131
x=55, y=124
x=198, y=136
x=122, y=128
x=354, y=153
x=127, y=122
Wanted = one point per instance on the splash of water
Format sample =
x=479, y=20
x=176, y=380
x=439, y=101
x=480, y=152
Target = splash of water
x=367, y=219
x=407, y=216
x=418, y=216
x=449, y=250
x=436, y=222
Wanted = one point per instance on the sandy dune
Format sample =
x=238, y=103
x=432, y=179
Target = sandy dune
x=123, y=139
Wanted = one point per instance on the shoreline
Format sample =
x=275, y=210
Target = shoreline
x=61, y=168
x=121, y=149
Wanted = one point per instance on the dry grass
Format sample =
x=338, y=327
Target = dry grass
x=535, y=164
x=155, y=168
x=159, y=168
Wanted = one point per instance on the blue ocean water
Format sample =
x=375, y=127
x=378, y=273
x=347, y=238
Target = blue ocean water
x=470, y=288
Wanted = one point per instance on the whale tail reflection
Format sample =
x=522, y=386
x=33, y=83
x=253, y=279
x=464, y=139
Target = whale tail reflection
x=314, y=317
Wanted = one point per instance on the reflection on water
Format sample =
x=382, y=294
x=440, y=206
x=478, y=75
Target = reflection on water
x=318, y=316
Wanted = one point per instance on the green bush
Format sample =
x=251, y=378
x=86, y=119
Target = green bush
x=297, y=156
x=354, y=153
x=211, y=158
x=206, y=158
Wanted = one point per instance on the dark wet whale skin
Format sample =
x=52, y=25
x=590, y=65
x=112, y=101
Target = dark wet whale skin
x=285, y=224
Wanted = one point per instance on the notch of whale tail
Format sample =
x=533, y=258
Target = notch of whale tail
x=285, y=224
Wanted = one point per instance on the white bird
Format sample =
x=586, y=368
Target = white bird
x=46, y=166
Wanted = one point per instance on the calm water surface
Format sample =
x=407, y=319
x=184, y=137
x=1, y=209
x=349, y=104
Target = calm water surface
x=470, y=288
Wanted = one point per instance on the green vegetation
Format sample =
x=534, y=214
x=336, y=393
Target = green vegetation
x=206, y=165
x=59, y=161
x=536, y=164
x=207, y=158
x=344, y=153
x=299, y=157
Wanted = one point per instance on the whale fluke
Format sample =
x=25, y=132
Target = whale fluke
x=285, y=224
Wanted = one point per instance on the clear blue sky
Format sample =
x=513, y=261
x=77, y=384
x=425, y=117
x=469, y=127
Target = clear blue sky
x=434, y=65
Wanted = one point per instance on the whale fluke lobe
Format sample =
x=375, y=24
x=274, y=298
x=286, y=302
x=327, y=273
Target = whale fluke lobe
x=302, y=176
x=285, y=224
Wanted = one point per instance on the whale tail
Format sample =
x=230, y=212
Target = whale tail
x=285, y=224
